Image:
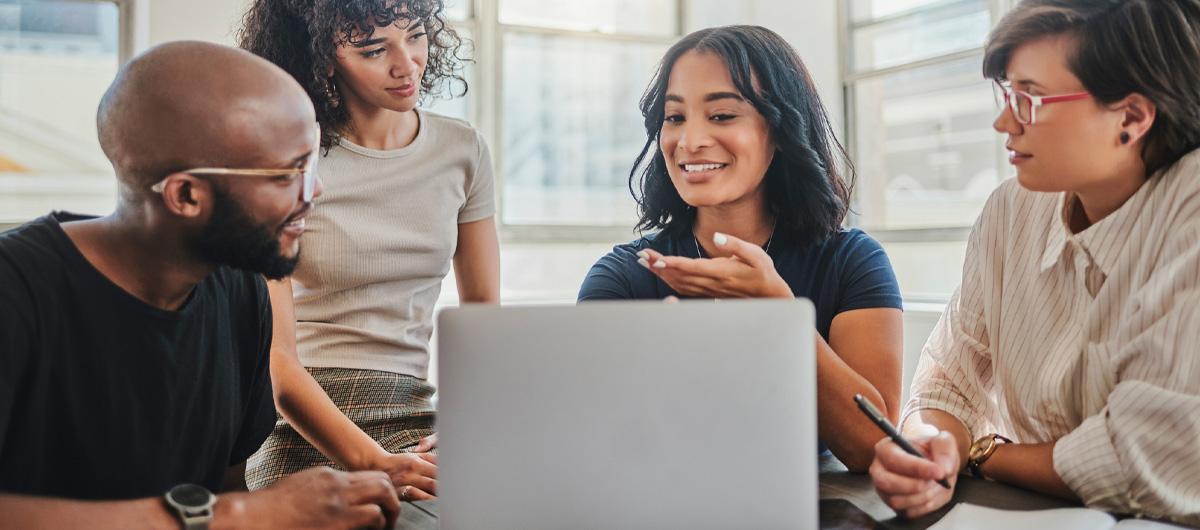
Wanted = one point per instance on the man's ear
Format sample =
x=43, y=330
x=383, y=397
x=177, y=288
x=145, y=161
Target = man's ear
x=1139, y=115
x=184, y=194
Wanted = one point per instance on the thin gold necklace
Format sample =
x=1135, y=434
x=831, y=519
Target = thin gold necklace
x=766, y=248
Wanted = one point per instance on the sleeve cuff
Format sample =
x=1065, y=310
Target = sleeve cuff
x=475, y=214
x=1087, y=462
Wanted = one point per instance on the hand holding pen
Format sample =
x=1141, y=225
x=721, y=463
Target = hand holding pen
x=913, y=477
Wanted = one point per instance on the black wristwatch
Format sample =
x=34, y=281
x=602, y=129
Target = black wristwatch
x=193, y=503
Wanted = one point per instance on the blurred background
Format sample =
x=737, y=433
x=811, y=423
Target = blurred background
x=555, y=89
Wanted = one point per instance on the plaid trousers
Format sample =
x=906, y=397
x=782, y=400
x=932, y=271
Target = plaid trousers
x=393, y=409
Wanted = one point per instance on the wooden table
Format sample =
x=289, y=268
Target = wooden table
x=837, y=483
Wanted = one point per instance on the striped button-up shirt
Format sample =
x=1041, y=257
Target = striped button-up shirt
x=1089, y=339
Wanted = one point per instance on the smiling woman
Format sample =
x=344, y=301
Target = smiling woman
x=743, y=183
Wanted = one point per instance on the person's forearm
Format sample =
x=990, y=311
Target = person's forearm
x=310, y=411
x=856, y=436
x=942, y=421
x=477, y=262
x=1029, y=466
x=30, y=513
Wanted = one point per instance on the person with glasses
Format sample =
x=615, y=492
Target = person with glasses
x=744, y=182
x=410, y=194
x=1067, y=361
x=134, y=347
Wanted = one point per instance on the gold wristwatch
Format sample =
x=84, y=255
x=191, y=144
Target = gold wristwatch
x=981, y=451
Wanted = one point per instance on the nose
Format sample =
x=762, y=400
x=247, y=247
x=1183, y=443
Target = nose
x=318, y=187
x=694, y=137
x=1006, y=123
x=404, y=66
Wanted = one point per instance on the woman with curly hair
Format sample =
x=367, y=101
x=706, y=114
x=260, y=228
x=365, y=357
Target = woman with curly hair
x=408, y=193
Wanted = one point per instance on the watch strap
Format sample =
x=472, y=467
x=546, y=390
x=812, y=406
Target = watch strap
x=981, y=450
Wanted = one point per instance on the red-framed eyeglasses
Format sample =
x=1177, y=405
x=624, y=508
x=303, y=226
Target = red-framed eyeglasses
x=1024, y=105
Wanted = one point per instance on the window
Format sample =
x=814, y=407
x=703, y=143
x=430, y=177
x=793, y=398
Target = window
x=564, y=80
x=920, y=130
x=56, y=60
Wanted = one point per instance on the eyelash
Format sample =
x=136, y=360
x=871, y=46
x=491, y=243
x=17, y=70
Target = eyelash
x=676, y=119
x=378, y=51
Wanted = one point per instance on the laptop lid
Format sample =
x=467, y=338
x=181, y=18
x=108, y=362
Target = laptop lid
x=628, y=415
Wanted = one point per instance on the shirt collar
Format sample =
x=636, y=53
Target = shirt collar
x=1105, y=240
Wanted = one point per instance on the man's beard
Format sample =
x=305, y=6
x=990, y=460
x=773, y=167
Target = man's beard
x=233, y=239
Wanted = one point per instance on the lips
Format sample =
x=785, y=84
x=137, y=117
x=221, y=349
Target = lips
x=295, y=223
x=700, y=171
x=403, y=90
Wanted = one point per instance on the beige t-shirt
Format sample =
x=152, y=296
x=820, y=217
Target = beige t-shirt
x=379, y=241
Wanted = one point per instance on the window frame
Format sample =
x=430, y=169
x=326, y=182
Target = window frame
x=850, y=78
x=133, y=30
x=488, y=34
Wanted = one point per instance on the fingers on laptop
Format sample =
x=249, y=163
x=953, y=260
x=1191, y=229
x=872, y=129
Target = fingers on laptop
x=414, y=475
x=374, y=499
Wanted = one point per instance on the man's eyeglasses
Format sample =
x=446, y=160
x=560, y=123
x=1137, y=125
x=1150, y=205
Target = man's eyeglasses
x=1024, y=105
x=308, y=173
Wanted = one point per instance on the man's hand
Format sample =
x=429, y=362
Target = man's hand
x=908, y=484
x=318, y=498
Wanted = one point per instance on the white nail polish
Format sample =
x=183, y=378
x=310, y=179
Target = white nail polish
x=660, y=264
x=720, y=239
x=643, y=254
x=644, y=263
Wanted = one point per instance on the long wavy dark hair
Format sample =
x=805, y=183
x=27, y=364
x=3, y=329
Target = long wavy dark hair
x=805, y=191
x=302, y=36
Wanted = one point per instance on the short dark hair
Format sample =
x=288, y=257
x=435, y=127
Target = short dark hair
x=1149, y=47
x=302, y=36
x=805, y=190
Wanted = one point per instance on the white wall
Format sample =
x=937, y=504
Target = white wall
x=210, y=20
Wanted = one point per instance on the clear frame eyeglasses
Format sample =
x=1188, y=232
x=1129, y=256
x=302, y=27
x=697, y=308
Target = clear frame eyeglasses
x=308, y=173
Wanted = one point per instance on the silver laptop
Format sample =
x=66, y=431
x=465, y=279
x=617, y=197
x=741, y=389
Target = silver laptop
x=628, y=415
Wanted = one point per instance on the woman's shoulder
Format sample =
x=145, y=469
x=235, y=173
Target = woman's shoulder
x=450, y=129
x=627, y=252
x=1010, y=201
x=617, y=274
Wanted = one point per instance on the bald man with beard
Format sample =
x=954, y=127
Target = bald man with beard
x=134, y=348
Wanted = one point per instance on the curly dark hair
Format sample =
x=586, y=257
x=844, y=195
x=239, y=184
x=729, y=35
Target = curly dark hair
x=805, y=191
x=302, y=36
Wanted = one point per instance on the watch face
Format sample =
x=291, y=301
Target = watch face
x=190, y=495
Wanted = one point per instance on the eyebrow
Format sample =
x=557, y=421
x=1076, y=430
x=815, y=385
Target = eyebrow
x=1028, y=82
x=715, y=96
x=298, y=161
x=371, y=42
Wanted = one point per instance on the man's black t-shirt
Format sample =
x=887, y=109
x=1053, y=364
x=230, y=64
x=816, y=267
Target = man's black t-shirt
x=103, y=396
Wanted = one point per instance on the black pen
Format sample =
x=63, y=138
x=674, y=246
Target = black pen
x=890, y=431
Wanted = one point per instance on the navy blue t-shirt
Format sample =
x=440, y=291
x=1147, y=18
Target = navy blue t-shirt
x=846, y=271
